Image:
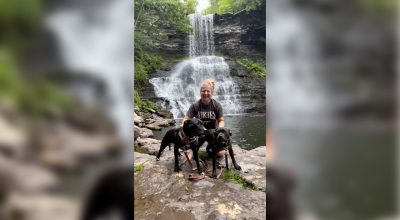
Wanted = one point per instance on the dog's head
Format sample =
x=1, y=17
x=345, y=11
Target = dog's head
x=222, y=136
x=193, y=127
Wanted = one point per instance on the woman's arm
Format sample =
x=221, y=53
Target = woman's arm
x=221, y=122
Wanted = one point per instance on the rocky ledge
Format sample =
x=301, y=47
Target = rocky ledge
x=161, y=193
x=145, y=122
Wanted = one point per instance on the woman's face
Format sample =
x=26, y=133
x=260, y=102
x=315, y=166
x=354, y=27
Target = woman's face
x=206, y=94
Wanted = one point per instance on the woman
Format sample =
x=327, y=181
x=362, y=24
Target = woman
x=206, y=109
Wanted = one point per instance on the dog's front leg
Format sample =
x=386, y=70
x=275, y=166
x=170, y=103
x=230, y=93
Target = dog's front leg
x=196, y=158
x=176, y=153
x=233, y=158
x=214, y=161
x=226, y=161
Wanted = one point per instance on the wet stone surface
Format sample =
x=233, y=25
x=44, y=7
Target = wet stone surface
x=161, y=193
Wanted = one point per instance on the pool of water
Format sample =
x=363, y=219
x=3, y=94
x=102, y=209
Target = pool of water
x=248, y=131
x=347, y=174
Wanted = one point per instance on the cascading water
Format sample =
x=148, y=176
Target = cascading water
x=201, y=41
x=182, y=87
x=295, y=93
x=95, y=43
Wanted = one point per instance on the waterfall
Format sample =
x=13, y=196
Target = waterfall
x=201, y=41
x=182, y=88
x=296, y=94
x=96, y=43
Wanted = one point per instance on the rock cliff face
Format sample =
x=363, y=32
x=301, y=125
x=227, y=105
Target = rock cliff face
x=236, y=36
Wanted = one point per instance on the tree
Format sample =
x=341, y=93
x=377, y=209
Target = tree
x=232, y=6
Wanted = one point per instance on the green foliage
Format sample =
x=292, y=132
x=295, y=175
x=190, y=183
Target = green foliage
x=190, y=6
x=229, y=175
x=143, y=104
x=139, y=168
x=10, y=82
x=144, y=65
x=152, y=15
x=256, y=69
x=232, y=6
x=32, y=97
x=20, y=14
x=387, y=7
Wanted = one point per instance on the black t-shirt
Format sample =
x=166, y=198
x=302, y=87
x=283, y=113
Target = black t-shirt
x=208, y=114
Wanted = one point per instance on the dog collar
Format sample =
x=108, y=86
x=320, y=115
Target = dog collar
x=185, y=139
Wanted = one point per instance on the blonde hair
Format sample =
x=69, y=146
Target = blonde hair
x=208, y=83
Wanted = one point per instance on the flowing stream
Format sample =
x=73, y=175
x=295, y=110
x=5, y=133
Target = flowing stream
x=182, y=87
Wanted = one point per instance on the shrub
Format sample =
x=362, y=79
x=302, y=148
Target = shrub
x=256, y=69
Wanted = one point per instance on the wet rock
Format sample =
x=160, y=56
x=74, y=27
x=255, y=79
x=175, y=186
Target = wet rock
x=158, y=194
x=253, y=165
x=89, y=119
x=63, y=147
x=153, y=126
x=12, y=139
x=24, y=177
x=184, y=198
x=165, y=114
x=161, y=121
x=145, y=133
x=204, y=184
x=137, y=119
x=39, y=207
x=150, y=121
x=152, y=145
x=136, y=132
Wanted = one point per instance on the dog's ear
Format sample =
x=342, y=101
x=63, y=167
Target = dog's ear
x=215, y=132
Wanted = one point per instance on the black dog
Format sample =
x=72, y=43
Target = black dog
x=220, y=140
x=280, y=184
x=180, y=137
x=111, y=193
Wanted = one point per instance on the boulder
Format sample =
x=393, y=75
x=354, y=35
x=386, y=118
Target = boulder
x=136, y=132
x=63, y=147
x=152, y=145
x=165, y=113
x=137, y=119
x=24, y=177
x=150, y=121
x=145, y=133
x=13, y=139
x=39, y=207
x=162, y=122
x=153, y=126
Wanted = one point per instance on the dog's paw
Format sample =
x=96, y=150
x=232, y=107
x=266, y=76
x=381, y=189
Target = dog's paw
x=177, y=169
x=214, y=174
x=238, y=167
x=157, y=159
